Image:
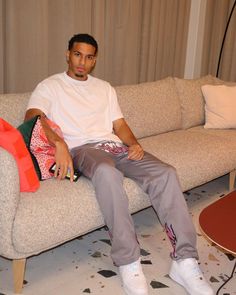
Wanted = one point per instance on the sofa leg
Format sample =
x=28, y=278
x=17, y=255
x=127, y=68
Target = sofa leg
x=232, y=176
x=18, y=274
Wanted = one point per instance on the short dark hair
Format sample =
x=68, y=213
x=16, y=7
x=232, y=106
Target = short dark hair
x=83, y=38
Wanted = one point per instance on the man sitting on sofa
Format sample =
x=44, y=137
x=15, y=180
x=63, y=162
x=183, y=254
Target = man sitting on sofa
x=98, y=142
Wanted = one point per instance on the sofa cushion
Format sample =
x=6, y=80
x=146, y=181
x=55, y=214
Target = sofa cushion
x=150, y=108
x=13, y=107
x=222, y=134
x=220, y=107
x=52, y=216
x=198, y=156
x=42, y=152
x=191, y=99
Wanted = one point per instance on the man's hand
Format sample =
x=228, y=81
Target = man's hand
x=62, y=155
x=122, y=130
x=63, y=161
x=135, y=152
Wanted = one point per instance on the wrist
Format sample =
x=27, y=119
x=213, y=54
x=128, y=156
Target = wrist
x=136, y=143
x=58, y=142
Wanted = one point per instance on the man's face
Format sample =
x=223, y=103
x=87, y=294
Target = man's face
x=81, y=60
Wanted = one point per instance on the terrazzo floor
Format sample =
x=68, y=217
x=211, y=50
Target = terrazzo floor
x=84, y=266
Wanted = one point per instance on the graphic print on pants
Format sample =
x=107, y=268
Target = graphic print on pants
x=171, y=235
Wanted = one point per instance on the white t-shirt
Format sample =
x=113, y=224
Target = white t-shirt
x=84, y=110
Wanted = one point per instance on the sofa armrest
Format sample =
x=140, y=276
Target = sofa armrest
x=9, y=199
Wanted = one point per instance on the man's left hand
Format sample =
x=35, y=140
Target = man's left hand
x=135, y=152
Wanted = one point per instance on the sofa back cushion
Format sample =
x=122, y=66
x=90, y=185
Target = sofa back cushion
x=150, y=108
x=13, y=107
x=192, y=100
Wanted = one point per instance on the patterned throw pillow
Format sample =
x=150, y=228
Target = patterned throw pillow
x=42, y=152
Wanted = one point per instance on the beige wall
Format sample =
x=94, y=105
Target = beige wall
x=195, y=39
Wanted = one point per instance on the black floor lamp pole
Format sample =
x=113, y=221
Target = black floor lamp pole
x=223, y=41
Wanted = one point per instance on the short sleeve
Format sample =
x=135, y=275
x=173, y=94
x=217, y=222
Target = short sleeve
x=115, y=108
x=40, y=99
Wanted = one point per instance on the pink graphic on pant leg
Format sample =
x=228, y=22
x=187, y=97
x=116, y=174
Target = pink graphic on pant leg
x=172, y=237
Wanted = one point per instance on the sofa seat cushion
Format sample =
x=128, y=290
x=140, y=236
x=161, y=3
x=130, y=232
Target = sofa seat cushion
x=223, y=134
x=61, y=210
x=37, y=227
x=197, y=156
x=150, y=108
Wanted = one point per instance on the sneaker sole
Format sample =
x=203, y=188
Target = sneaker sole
x=127, y=292
x=178, y=280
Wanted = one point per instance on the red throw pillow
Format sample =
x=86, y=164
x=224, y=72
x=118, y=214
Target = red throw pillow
x=12, y=141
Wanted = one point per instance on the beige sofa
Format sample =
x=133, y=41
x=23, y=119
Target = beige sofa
x=167, y=116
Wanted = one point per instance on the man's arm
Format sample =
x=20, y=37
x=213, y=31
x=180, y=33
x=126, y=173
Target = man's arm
x=62, y=155
x=125, y=134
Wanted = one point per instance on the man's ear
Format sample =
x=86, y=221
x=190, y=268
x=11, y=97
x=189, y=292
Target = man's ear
x=67, y=56
x=94, y=61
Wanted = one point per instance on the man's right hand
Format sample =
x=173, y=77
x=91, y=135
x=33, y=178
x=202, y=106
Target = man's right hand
x=62, y=155
x=63, y=160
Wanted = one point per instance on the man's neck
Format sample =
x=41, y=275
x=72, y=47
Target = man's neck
x=78, y=77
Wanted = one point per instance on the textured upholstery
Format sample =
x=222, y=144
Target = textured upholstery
x=206, y=156
x=150, y=108
x=52, y=216
x=9, y=199
x=191, y=99
x=60, y=211
x=13, y=106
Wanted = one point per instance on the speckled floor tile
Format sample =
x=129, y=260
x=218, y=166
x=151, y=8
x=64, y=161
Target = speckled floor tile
x=84, y=266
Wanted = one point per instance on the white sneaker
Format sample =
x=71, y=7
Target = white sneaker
x=134, y=281
x=187, y=273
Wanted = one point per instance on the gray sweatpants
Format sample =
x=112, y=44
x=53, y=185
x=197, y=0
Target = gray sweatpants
x=157, y=179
